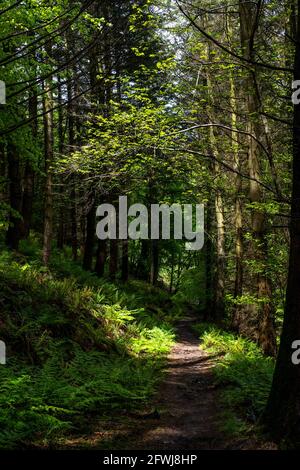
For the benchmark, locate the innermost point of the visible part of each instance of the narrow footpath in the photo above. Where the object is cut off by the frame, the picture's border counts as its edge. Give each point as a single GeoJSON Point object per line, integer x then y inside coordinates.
{"type": "Point", "coordinates": [183, 414]}
{"type": "Point", "coordinates": [186, 412]}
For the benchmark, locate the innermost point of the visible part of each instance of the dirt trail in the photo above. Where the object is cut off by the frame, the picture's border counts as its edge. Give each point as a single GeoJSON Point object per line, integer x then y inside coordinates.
{"type": "Point", "coordinates": [183, 414]}
{"type": "Point", "coordinates": [186, 401]}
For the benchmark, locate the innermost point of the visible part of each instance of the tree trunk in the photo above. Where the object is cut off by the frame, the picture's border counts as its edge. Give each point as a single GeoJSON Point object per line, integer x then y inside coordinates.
{"type": "Point", "coordinates": [48, 206]}
{"type": "Point", "coordinates": [13, 233]}
{"type": "Point", "coordinates": [142, 268]}
{"type": "Point", "coordinates": [172, 272]}
{"type": "Point", "coordinates": [28, 186]}
{"type": "Point", "coordinates": [154, 268]}
{"type": "Point", "coordinates": [219, 284]}
{"type": "Point", "coordinates": [3, 174]}
{"type": "Point", "coordinates": [113, 259]}
{"type": "Point", "coordinates": [238, 216]}
{"type": "Point", "coordinates": [90, 235]}
{"type": "Point", "coordinates": [208, 262]}
{"type": "Point", "coordinates": [72, 141]}
{"type": "Point", "coordinates": [125, 261]}
{"type": "Point", "coordinates": [263, 309]}
{"type": "Point", "coordinates": [282, 414]}
{"type": "Point", "coordinates": [101, 256]}
{"type": "Point", "coordinates": [218, 310]}
{"type": "Point", "coordinates": [61, 209]}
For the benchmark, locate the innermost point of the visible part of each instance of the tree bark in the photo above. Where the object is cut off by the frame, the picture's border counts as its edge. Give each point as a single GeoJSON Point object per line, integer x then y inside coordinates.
{"type": "Point", "coordinates": [28, 185]}
{"type": "Point", "coordinates": [101, 257]}
{"type": "Point", "coordinates": [73, 194]}
{"type": "Point", "coordinates": [263, 309]}
{"type": "Point", "coordinates": [48, 206]}
{"type": "Point", "coordinates": [61, 210]}
{"type": "Point", "coordinates": [13, 233]}
{"type": "Point", "coordinates": [282, 414]}
{"type": "Point", "coordinates": [142, 268]}
{"type": "Point", "coordinates": [154, 268]}
{"type": "Point", "coordinates": [219, 284]}
{"type": "Point", "coordinates": [218, 306]}
{"type": "Point", "coordinates": [90, 234]}
{"type": "Point", "coordinates": [125, 261]}
{"type": "Point", "coordinates": [113, 259]}
{"type": "Point", "coordinates": [208, 262]}
{"type": "Point", "coordinates": [238, 215]}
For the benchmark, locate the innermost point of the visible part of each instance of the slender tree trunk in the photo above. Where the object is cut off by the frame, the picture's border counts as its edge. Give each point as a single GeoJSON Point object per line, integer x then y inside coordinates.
{"type": "Point", "coordinates": [74, 234]}
{"type": "Point", "coordinates": [28, 186]}
{"type": "Point", "coordinates": [27, 200]}
{"type": "Point", "coordinates": [91, 203]}
{"type": "Point", "coordinates": [266, 336]}
{"type": "Point", "coordinates": [208, 262]}
{"type": "Point", "coordinates": [73, 195]}
{"type": "Point", "coordinates": [238, 216]}
{"type": "Point", "coordinates": [125, 261]}
{"type": "Point", "coordinates": [13, 233]}
{"type": "Point", "coordinates": [142, 268]}
{"type": "Point", "coordinates": [90, 234]}
{"type": "Point", "coordinates": [61, 210]}
{"type": "Point", "coordinates": [219, 285]}
{"type": "Point", "coordinates": [282, 414]}
{"type": "Point", "coordinates": [172, 272]}
{"type": "Point", "coordinates": [48, 206]}
{"type": "Point", "coordinates": [218, 310]}
{"type": "Point", "coordinates": [101, 256]}
{"type": "Point", "coordinates": [154, 268]}
{"type": "Point", "coordinates": [113, 259]}
{"type": "Point", "coordinates": [3, 174]}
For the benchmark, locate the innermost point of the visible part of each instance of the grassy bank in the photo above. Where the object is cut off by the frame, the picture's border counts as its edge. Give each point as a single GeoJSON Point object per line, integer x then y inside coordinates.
{"type": "Point", "coordinates": [244, 373]}
{"type": "Point", "coordinates": [77, 347]}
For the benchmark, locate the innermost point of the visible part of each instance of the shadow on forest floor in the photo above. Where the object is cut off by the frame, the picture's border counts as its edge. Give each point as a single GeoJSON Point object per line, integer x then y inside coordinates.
{"type": "Point", "coordinates": [183, 414]}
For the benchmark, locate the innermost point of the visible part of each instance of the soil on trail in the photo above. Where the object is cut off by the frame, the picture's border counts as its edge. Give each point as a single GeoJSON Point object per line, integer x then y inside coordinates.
{"type": "Point", "coordinates": [183, 414]}
{"type": "Point", "coordinates": [186, 402]}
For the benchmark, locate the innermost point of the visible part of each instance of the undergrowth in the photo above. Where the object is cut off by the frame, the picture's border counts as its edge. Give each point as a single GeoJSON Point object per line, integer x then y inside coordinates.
{"type": "Point", "coordinates": [244, 371]}
{"type": "Point", "coordinates": [77, 346]}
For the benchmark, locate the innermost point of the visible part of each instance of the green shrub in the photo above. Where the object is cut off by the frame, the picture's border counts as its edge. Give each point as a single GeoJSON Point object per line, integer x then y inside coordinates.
{"type": "Point", "coordinates": [77, 346]}
{"type": "Point", "coordinates": [245, 371]}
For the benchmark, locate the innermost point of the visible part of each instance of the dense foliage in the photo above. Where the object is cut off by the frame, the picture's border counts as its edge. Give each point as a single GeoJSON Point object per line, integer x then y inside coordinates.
{"type": "Point", "coordinates": [77, 346]}
{"type": "Point", "coordinates": [163, 102]}
{"type": "Point", "coordinates": [245, 374]}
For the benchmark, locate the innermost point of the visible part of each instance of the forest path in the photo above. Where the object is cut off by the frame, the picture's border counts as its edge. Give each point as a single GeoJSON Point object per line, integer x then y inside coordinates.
{"type": "Point", "coordinates": [187, 416]}
{"type": "Point", "coordinates": [183, 414]}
